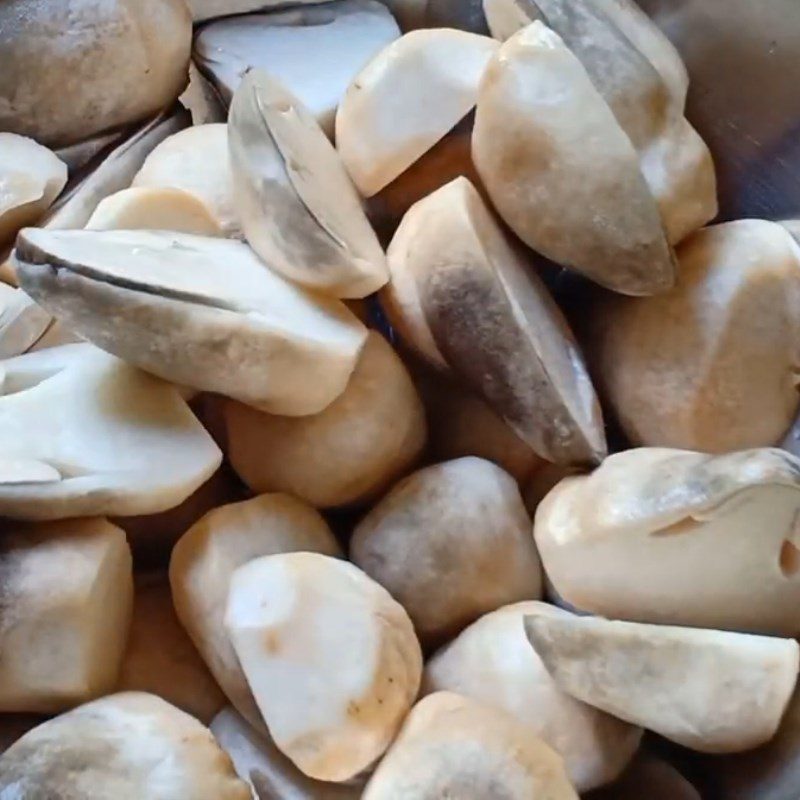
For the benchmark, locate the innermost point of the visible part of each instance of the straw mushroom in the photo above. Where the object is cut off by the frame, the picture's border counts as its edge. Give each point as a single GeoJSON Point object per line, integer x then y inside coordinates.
{"type": "Point", "coordinates": [713, 691]}
{"type": "Point", "coordinates": [492, 661]}
{"type": "Point", "coordinates": [451, 746]}
{"type": "Point", "coordinates": [65, 602]}
{"type": "Point", "coordinates": [450, 542]}
{"type": "Point", "coordinates": [289, 618]}
{"type": "Point", "coordinates": [127, 745]}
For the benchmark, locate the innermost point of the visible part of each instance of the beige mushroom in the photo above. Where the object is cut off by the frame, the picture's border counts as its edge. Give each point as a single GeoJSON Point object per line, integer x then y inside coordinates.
{"type": "Point", "coordinates": [31, 177]}
{"type": "Point", "coordinates": [713, 691]}
{"type": "Point", "coordinates": [66, 590]}
{"type": "Point", "coordinates": [712, 365]}
{"type": "Point", "coordinates": [354, 449]}
{"type": "Point", "coordinates": [409, 97]}
{"type": "Point", "coordinates": [161, 659]}
{"type": "Point", "coordinates": [206, 557]}
{"type": "Point", "coordinates": [450, 542]}
{"type": "Point", "coordinates": [464, 296]}
{"type": "Point", "coordinates": [196, 160]}
{"type": "Point", "coordinates": [451, 746]}
{"type": "Point", "coordinates": [69, 74]}
{"type": "Point", "coordinates": [492, 661]}
{"type": "Point", "coordinates": [195, 310]}
{"type": "Point", "coordinates": [331, 658]}
{"type": "Point", "coordinates": [270, 774]}
{"type": "Point", "coordinates": [22, 322]}
{"type": "Point", "coordinates": [83, 433]}
{"type": "Point", "coordinates": [125, 746]}
{"type": "Point", "coordinates": [634, 540]}
{"type": "Point", "coordinates": [561, 171]}
{"type": "Point", "coordinates": [650, 777]}
{"type": "Point", "coordinates": [299, 210]}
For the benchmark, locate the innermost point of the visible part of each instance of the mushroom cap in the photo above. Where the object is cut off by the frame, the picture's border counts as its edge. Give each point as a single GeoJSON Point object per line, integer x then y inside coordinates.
{"type": "Point", "coordinates": [451, 746]}
{"type": "Point", "coordinates": [127, 746]}
{"type": "Point", "coordinates": [289, 618]}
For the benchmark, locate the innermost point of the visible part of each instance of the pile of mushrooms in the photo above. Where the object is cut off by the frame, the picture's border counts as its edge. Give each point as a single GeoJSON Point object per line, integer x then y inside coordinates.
{"type": "Point", "coordinates": [307, 490]}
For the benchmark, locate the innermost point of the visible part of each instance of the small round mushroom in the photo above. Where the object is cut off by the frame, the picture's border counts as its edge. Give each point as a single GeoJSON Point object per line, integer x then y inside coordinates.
{"type": "Point", "coordinates": [712, 365]}
{"type": "Point", "coordinates": [354, 449]}
{"type": "Point", "coordinates": [492, 662]}
{"type": "Point", "coordinates": [66, 590]}
{"type": "Point", "coordinates": [451, 746]}
{"type": "Point", "coordinates": [206, 557]}
{"type": "Point", "coordinates": [450, 542]}
{"type": "Point", "coordinates": [331, 658]}
{"type": "Point", "coordinates": [127, 745]}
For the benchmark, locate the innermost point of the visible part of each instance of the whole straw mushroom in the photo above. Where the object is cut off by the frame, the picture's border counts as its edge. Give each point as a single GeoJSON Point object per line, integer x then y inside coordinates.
{"type": "Point", "coordinates": [289, 618]}
{"type": "Point", "coordinates": [450, 746]}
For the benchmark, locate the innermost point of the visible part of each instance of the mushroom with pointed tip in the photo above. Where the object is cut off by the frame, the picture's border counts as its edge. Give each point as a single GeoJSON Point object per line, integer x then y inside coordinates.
{"type": "Point", "coordinates": [298, 208]}
{"type": "Point", "coordinates": [709, 690]}
{"type": "Point", "coordinates": [66, 590]}
{"type": "Point", "coordinates": [465, 297]}
{"type": "Point", "coordinates": [451, 746]}
{"type": "Point", "coordinates": [83, 433]}
{"type": "Point", "coordinates": [290, 618]}
{"type": "Point", "coordinates": [125, 745]}
{"type": "Point", "coordinates": [199, 311]}
{"type": "Point", "coordinates": [206, 557]}
{"type": "Point", "coordinates": [371, 435]}
{"type": "Point", "coordinates": [450, 542]}
{"type": "Point", "coordinates": [712, 365]}
{"type": "Point", "coordinates": [492, 662]}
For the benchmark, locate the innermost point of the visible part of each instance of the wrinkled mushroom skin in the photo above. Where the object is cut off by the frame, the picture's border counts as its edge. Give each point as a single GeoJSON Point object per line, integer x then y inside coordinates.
{"type": "Point", "coordinates": [712, 364]}
{"type": "Point", "coordinates": [635, 539]}
{"type": "Point", "coordinates": [76, 69]}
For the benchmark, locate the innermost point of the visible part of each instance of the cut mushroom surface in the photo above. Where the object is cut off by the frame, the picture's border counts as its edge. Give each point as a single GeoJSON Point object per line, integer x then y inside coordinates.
{"type": "Point", "coordinates": [66, 589]}
{"type": "Point", "coordinates": [711, 365]}
{"type": "Point", "coordinates": [709, 690]}
{"type": "Point", "coordinates": [205, 559]}
{"type": "Point", "coordinates": [299, 621]}
{"type": "Point", "coordinates": [128, 745]}
{"type": "Point", "coordinates": [634, 540]}
{"type": "Point", "coordinates": [463, 295]}
{"type": "Point", "coordinates": [450, 542]}
{"type": "Point", "coordinates": [81, 432]}
{"type": "Point", "coordinates": [561, 171]}
{"type": "Point", "coordinates": [299, 210]}
{"type": "Point", "coordinates": [492, 662]}
{"type": "Point", "coordinates": [409, 97]}
{"type": "Point", "coordinates": [198, 311]}
{"type": "Point", "coordinates": [450, 746]}
{"type": "Point", "coordinates": [343, 36]}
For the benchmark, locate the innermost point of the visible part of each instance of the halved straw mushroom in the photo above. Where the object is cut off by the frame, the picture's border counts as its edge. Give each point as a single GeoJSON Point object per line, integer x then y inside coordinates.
{"type": "Point", "coordinates": [83, 433]}
{"type": "Point", "coordinates": [561, 171]}
{"type": "Point", "coordinates": [206, 557]}
{"type": "Point", "coordinates": [450, 542]}
{"type": "Point", "coordinates": [161, 659]}
{"type": "Point", "coordinates": [298, 208]}
{"type": "Point", "coordinates": [464, 296]}
{"type": "Point", "coordinates": [713, 691]}
{"type": "Point", "coordinates": [127, 745]}
{"type": "Point", "coordinates": [194, 310]}
{"type": "Point", "coordinates": [371, 435]}
{"type": "Point", "coordinates": [269, 772]}
{"type": "Point", "coordinates": [343, 36]}
{"type": "Point", "coordinates": [634, 539]}
{"type": "Point", "coordinates": [712, 365]}
{"type": "Point", "coordinates": [492, 662]}
{"type": "Point", "coordinates": [31, 177]}
{"type": "Point", "coordinates": [331, 658]}
{"type": "Point", "coordinates": [408, 98]}
{"type": "Point", "coordinates": [450, 746]}
{"type": "Point", "coordinates": [67, 591]}
{"type": "Point", "coordinates": [22, 322]}
{"type": "Point", "coordinates": [66, 77]}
